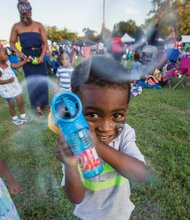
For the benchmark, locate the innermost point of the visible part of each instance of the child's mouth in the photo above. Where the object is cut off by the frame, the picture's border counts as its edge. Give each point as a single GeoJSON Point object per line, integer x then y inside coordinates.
{"type": "Point", "coordinates": [104, 138]}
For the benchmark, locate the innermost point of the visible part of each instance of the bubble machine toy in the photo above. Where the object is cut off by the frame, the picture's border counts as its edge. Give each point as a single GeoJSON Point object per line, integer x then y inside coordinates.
{"type": "Point", "coordinates": [67, 114]}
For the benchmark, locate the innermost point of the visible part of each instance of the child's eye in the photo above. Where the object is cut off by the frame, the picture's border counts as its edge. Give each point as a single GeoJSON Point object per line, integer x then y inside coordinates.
{"type": "Point", "coordinates": [118, 116]}
{"type": "Point", "coordinates": [91, 116]}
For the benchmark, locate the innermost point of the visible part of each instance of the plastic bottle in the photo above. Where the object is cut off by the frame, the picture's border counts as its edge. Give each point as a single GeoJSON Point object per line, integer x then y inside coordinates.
{"type": "Point", "coordinates": [67, 114]}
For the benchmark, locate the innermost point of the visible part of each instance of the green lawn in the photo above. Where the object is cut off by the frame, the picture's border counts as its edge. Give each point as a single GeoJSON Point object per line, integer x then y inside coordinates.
{"type": "Point", "coordinates": [161, 119]}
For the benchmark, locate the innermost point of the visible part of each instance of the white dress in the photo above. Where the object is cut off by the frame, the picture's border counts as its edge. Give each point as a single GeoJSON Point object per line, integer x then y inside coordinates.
{"type": "Point", "coordinates": [9, 90]}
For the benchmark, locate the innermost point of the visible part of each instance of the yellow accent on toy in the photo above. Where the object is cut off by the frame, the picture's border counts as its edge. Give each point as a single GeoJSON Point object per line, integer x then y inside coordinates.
{"type": "Point", "coordinates": [51, 124]}
{"type": "Point", "coordinates": [35, 61]}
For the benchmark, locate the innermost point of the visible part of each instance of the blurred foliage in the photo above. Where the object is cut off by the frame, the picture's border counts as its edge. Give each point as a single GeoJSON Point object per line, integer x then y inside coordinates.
{"type": "Point", "coordinates": [124, 27]}
{"type": "Point", "coordinates": [163, 12]}
{"type": "Point", "coordinates": [170, 12]}
{"type": "Point", "coordinates": [54, 34]}
{"type": "Point", "coordinates": [91, 34]}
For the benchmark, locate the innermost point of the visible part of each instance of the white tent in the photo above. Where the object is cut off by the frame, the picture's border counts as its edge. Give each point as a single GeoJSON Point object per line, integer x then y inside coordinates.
{"type": "Point", "coordinates": [127, 39]}
{"type": "Point", "coordinates": [185, 38]}
{"type": "Point", "coordinates": [160, 39]}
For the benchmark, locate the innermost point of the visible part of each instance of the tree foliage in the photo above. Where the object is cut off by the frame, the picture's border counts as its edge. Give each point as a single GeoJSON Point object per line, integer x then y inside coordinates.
{"type": "Point", "coordinates": [171, 12]}
{"type": "Point", "coordinates": [91, 34]}
{"type": "Point", "coordinates": [124, 27]}
{"type": "Point", "coordinates": [57, 35]}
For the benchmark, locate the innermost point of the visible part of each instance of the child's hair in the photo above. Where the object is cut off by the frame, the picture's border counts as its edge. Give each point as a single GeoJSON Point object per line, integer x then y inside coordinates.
{"type": "Point", "coordinates": [64, 52]}
{"type": "Point", "coordinates": [136, 56]}
{"type": "Point", "coordinates": [100, 70]}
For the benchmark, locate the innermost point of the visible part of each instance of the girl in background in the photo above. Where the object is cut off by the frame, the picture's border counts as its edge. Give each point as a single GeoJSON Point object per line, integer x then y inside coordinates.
{"type": "Point", "coordinates": [10, 88]}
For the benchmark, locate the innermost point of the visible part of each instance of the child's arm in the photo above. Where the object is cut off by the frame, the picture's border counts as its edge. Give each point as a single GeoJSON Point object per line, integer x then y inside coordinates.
{"type": "Point", "coordinates": [57, 76]}
{"type": "Point", "coordinates": [21, 63]}
{"type": "Point", "coordinates": [13, 185]}
{"type": "Point", "coordinates": [73, 186]}
{"type": "Point", "coordinates": [10, 80]}
{"type": "Point", "coordinates": [126, 165]}
{"type": "Point", "coordinates": [57, 80]}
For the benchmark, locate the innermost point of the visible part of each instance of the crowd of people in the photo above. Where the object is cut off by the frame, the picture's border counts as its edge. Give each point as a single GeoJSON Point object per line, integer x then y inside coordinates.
{"type": "Point", "coordinates": [105, 94]}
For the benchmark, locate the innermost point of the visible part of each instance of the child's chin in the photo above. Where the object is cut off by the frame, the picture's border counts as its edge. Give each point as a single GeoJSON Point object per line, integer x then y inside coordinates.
{"type": "Point", "coordinates": [106, 141]}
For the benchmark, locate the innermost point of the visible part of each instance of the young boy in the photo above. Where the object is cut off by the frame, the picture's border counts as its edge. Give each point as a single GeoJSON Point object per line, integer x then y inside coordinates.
{"type": "Point", "coordinates": [64, 72]}
{"type": "Point", "coordinates": [101, 83]}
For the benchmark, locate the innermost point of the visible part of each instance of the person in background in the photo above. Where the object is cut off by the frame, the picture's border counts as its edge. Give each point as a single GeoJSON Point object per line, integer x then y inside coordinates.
{"type": "Point", "coordinates": [153, 35]}
{"type": "Point", "coordinates": [54, 62]}
{"type": "Point", "coordinates": [171, 38]}
{"type": "Point", "coordinates": [136, 67]}
{"type": "Point", "coordinates": [105, 94]}
{"type": "Point", "coordinates": [33, 40]}
{"type": "Point", "coordinates": [10, 88]}
{"type": "Point", "coordinates": [13, 58]}
{"type": "Point", "coordinates": [64, 72]}
{"type": "Point", "coordinates": [7, 207]}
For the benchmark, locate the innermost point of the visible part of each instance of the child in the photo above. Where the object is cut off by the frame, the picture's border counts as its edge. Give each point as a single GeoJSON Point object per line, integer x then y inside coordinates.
{"type": "Point", "coordinates": [10, 88]}
{"type": "Point", "coordinates": [7, 207]}
{"type": "Point", "coordinates": [136, 67]}
{"type": "Point", "coordinates": [99, 82]}
{"type": "Point", "coordinates": [54, 62]}
{"type": "Point", "coordinates": [64, 72]}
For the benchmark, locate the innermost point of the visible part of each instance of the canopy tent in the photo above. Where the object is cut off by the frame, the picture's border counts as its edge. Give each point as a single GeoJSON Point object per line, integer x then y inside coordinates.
{"type": "Point", "coordinates": [185, 38]}
{"type": "Point", "coordinates": [65, 42]}
{"type": "Point", "coordinates": [160, 39]}
{"type": "Point", "coordinates": [127, 39]}
{"type": "Point", "coordinates": [85, 42]}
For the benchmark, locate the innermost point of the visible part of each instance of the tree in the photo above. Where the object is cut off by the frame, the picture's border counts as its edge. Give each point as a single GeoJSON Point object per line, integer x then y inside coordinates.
{"type": "Point", "coordinates": [57, 35]}
{"type": "Point", "coordinates": [89, 34]}
{"type": "Point", "coordinates": [171, 12]}
{"type": "Point", "coordinates": [183, 12]}
{"type": "Point", "coordinates": [124, 27]}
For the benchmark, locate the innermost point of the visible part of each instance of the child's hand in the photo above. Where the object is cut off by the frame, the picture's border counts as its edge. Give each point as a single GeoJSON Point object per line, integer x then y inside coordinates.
{"type": "Point", "coordinates": [40, 59]}
{"type": "Point", "coordinates": [22, 56]}
{"type": "Point", "coordinates": [29, 59]}
{"type": "Point", "coordinates": [64, 154]}
{"type": "Point", "coordinates": [12, 79]}
{"type": "Point", "coordinates": [14, 187]}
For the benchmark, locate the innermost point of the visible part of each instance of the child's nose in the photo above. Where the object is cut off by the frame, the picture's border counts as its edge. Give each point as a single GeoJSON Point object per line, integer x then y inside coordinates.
{"type": "Point", "coordinates": [106, 125]}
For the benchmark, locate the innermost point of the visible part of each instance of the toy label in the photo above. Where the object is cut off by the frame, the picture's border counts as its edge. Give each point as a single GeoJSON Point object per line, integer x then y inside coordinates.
{"type": "Point", "coordinates": [88, 159]}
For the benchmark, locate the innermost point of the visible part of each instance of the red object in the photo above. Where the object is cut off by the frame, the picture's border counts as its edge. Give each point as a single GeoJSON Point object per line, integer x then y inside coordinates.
{"type": "Point", "coordinates": [178, 45]}
{"type": "Point", "coordinates": [116, 45]}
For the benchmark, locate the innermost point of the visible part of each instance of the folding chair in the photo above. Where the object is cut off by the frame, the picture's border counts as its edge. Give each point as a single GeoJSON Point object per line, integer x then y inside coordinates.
{"type": "Point", "coordinates": [182, 71]}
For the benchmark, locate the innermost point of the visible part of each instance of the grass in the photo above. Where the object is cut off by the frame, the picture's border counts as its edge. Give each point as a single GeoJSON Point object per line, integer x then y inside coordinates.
{"type": "Point", "coordinates": [161, 119]}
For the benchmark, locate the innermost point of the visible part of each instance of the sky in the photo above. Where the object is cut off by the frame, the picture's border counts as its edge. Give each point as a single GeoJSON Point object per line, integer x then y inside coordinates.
{"type": "Point", "coordinates": [75, 14]}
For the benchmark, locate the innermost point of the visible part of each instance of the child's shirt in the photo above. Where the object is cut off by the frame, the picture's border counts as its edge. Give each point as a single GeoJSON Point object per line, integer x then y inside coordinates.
{"type": "Point", "coordinates": [9, 90]}
{"type": "Point", "coordinates": [7, 207]}
{"type": "Point", "coordinates": [107, 196]}
{"type": "Point", "coordinates": [136, 70]}
{"type": "Point", "coordinates": [64, 74]}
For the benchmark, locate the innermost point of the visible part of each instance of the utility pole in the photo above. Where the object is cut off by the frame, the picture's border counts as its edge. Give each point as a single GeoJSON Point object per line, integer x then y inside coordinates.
{"type": "Point", "coordinates": [103, 24]}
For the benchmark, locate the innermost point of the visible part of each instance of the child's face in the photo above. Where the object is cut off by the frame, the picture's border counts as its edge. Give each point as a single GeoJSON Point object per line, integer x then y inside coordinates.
{"type": "Point", "coordinates": [3, 55]}
{"type": "Point", "coordinates": [105, 110]}
{"type": "Point", "coordinates": [65, 60]}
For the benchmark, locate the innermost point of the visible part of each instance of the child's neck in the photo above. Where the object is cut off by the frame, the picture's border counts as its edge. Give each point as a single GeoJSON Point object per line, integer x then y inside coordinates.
{"type": "Point", "coordinates": [67, 66]}
{"type": "Point", "coordinates": [3, 64]}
